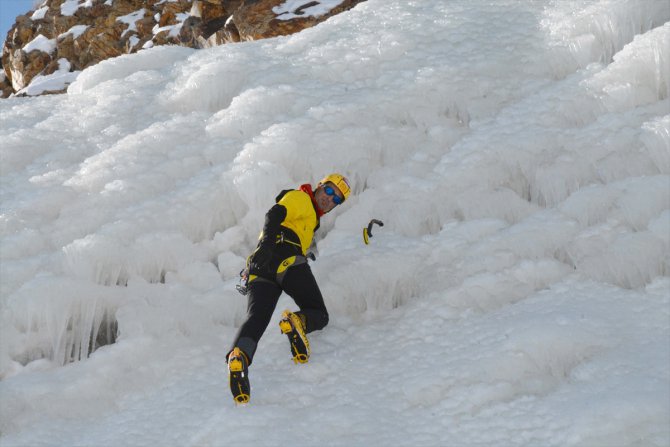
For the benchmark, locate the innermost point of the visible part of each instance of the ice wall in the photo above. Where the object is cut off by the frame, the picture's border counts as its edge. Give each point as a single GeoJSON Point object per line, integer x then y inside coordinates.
{"type": "Point", "coordinates": [505, 149]}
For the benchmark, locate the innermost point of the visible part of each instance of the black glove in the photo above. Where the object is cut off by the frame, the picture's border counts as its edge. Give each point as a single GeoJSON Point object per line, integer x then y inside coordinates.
{"type": "Point", "coordinates": [262, 258]}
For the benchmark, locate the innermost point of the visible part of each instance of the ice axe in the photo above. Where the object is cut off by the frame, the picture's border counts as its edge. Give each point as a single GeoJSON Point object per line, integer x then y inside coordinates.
{"type": "Point", "coordinates": [367, 232]}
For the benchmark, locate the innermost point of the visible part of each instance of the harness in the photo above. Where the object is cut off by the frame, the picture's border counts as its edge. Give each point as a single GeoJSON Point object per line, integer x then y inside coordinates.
{"type": "Point", "coordinates": [292, 261]}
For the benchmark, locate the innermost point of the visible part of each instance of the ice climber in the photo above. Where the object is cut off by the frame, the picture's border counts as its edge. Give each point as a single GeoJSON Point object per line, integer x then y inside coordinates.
{"type": "Point", "coordinates": [279, 264]}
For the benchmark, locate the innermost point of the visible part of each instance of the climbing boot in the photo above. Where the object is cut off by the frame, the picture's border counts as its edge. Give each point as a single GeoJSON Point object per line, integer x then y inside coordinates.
{"type": "Point", "coordinates": [294, 328]}
{"type": "Point", "coordinates": [238, 376]}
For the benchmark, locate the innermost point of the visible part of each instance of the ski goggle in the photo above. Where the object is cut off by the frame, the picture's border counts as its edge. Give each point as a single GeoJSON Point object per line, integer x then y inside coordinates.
{"type": "Point", "coordinates": [331, 192]}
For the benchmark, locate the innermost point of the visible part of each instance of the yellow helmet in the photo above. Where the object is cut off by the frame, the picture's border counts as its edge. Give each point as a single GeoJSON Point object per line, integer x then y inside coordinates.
{"type": "Point", "coordinates": [339, 181]}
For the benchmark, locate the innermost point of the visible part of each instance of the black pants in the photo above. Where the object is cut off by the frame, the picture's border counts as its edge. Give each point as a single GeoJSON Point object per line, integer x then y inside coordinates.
{"type": "Point", "coordinates": [299, 284]}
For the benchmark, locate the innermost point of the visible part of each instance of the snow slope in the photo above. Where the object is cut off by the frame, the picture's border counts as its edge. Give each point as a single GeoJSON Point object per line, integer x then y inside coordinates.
{"type": "Point", "coordinates": [518, 154]}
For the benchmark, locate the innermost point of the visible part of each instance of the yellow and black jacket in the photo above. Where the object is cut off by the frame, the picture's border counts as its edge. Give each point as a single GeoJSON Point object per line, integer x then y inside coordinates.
{"type": "Point", "coordinates": [287, 234]}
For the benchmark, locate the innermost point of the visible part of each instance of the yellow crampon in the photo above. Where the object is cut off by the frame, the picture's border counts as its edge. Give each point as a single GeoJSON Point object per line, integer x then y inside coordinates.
{"type": "Point", "coordinates": [238, 377]}
{"type": "Point", "coordinates": [293, 327]}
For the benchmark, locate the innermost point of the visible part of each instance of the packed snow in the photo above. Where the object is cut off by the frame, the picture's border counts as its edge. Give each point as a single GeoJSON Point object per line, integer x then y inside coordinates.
{"type": "Point", "coordinates": [70, 7]}
{"type": "Point", "coordinates": [40, 43]}
{"type": "Point", "coordinates": [76, 31]}
{"type": "Point", "coordinates": [291, 9]}
{"type": "Point", "coordinates": [40, 13]}
{"type": "Point", "coordinates": [53, 82]}
{"type": "Point", "coordinates": [131, 20]}
{"type": "Point", "coordinates": [518, 293]}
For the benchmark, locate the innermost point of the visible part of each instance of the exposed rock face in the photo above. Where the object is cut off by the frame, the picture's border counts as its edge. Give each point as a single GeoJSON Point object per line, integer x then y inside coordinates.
{"type": "Point", "coordinates": [267, 18]}
{"type": "Point", "coordinates": [66, 36]}
{"type": "Point", "coordinates": [5, 85]}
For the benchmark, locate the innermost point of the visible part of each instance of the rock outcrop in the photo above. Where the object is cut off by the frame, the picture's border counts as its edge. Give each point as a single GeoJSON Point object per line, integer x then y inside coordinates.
{"type": "Point", "coordinates": [270, 18]}
{"type": "Point", "coordinates": [46, 48]}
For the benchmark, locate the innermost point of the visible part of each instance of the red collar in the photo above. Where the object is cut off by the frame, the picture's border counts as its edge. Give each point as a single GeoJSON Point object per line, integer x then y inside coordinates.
{"type": "Point", "coordinates": [308, 189]}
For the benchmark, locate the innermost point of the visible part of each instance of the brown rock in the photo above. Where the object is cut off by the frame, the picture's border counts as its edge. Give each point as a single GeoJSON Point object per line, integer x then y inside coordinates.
{"type": "Point", "coordinates": [145, 25]}
{"type": "Point", "coordinates": [210, 22]}
{"type": "Point", "coordinates": [103, 46]}
{"type": "Point", "coordinates": [213, 10]}
{"type": "Point", "coordinates": [65, 48]}
{"type": "Point", "coordinates": [5, 85]}
{"type": "Point", "coordinates": [26, 67]}
{"type": "Point", "coordinates": [255, 19]}
{"type": "Point", "coordinates": [230, 33]}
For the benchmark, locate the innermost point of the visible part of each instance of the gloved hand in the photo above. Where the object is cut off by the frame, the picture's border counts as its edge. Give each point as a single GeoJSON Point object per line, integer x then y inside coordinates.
{"type": "Point", "coordinates": [262, 257]}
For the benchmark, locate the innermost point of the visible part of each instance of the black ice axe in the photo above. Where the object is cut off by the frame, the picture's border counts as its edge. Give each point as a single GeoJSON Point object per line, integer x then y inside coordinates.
{"type": "Point", "coordinates": [367, 232]}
